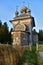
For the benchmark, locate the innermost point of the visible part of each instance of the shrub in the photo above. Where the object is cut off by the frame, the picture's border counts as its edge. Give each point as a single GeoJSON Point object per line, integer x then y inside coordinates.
{"type": "Point", "coordinates": [28, 58]}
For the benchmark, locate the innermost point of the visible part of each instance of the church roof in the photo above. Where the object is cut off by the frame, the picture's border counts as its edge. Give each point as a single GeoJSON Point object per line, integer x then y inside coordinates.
{"type": "Point", "coordinates": [34, 32]}
{"type": "Point", "coordinates": [25, 14]}
{"type": "Point", "coordinates": [22, 17]}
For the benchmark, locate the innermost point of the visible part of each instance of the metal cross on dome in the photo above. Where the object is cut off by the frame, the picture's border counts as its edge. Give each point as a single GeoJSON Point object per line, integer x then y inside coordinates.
{"type": "Point", "coordinates": [23, 3]}
{"type": "Point", "coordinates": [28, 4]}
{"type": "Point", "coordinates": [16, 7]}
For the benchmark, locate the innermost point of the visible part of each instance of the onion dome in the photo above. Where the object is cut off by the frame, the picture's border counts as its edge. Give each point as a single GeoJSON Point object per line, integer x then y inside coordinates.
{"type": "Point", "coordinates": [28, 10]}
{"type": "Point", "coordinates": [23, 9]}
{"type": "Point", "coordinates": [16, 13]}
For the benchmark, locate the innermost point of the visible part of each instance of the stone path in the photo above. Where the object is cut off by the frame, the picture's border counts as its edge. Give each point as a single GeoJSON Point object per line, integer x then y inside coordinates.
{"type": "Point", "coordinates": [41, 54]}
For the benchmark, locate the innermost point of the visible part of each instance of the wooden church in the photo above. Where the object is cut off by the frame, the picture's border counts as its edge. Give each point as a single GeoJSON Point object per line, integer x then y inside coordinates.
{"type": "Point", "coordinates": [23, 23]}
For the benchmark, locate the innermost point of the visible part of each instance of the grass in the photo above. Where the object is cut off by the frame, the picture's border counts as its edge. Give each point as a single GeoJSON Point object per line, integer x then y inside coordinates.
{"type": "Point", "coordinates": [8, 55]}
{"type": "Point", "coordinates": [19, 56]}
{"type": "Point", "coordinates": [40, 47]}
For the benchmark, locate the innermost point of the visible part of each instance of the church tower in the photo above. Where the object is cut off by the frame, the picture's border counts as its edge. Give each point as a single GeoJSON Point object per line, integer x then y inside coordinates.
{"type": "Point", "coordinates": [23, 24]}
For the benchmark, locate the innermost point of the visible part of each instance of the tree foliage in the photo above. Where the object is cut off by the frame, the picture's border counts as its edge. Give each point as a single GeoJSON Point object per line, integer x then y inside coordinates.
{"type": "Point", "coordinates": [5, 35]}
{"type": "Point", "coordinates": [40, 35]}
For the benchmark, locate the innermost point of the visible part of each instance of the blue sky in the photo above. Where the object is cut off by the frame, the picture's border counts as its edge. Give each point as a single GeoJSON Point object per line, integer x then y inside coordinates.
{"type": "Point", "coordinates": [8, 8]}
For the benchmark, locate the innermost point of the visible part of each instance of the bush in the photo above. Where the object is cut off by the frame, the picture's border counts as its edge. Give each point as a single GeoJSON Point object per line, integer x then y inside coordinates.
{"type": "Point", "coordinates": [40, 42]}
{"type": "Point", "coordinates": [28, 58]}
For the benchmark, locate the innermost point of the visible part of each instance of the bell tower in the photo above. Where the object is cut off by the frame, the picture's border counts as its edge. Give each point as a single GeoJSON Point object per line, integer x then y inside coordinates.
{"type": "Point", "coordinates": [22, 27]}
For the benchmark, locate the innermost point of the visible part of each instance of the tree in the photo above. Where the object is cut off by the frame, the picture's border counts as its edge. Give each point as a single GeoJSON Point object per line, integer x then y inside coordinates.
{"type": "Point", "coordinates": [6, 31]}
{"type": "Point", "coordinates": [40, 35]}
{"type": "Point", "coordinates": [10, 38]}
{"type": "Point", "coordinates": [0, 23]}
{"type": "Point", "coordinates": [5, 26]}
{"type": "Point", "coordinates": [5, 35]}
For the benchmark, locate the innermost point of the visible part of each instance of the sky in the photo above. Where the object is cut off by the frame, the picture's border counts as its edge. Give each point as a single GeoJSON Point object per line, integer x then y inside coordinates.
{"type": "Point", "coordinates": [8, 8]}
